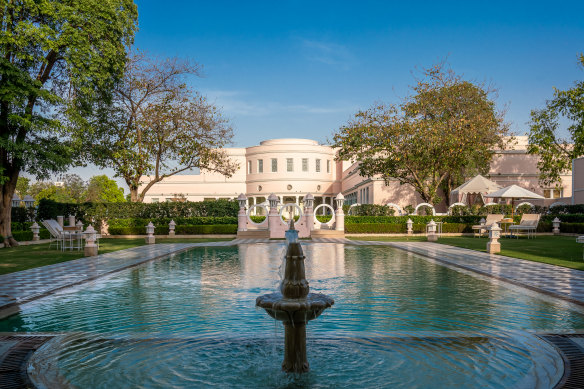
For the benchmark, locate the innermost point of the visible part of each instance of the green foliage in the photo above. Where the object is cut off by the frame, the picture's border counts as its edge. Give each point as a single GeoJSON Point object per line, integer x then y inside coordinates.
{"type": "Point", "coordinates": [179, 229]}
{"type": "Point", "coordinates": [56, 58]}
{"type": "Point", "coordinates": [383, 228]}
{"type": "Point", "coordinates": [96, 212]}
{"type": "Point", "coordinates": [567, 209]}
{"type": "Point", "coordinates": [22, 214]}
{"type": "Point", "coordinates": [199, 220]}
{"type": "Point", "coordinates": [460, 210]}
{"type": "Point", "coordinates": [102, 189]}
{"type": "Point", "coordinates": [555, 152]}
{"type": "Point", "coordinates": [372, 210]}
{"type": "Point", "coordinates": [22, 186]}
{"type": "Point", "coordinates": [157, 126]}
{"type": "Point", "coordinates": [446, 128]}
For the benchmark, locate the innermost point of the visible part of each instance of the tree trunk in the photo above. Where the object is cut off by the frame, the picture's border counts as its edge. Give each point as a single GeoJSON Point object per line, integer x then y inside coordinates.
{"type": "Point", "coordinates": [134, 195]}
{"type": "Point", "coordinates": [6, 215]}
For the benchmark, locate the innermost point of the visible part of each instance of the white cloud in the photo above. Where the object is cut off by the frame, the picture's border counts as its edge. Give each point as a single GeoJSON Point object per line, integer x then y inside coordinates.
{"type": "Point", "coordinates": [241, 103]}
{"type": "Point", "coordinates": [328, 53]}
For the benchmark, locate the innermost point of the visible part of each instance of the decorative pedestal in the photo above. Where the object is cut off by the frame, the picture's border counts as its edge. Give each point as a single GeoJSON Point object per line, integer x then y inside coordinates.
{"type": "Point", "coordinates": [90, 251]}
{"type": "Point", "coordinates": [150, 240]}
{"type": "Point", "coordinates": [493, 247]}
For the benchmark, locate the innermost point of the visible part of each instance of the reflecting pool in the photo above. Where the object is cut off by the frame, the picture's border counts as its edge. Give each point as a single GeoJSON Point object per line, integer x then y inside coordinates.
{"type": "Point", "coordinates": [398, 321]}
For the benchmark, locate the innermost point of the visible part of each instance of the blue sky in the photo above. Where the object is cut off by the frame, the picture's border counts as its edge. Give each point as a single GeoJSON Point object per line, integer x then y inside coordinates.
{"type": "Point", "coordinates": [303, 68]}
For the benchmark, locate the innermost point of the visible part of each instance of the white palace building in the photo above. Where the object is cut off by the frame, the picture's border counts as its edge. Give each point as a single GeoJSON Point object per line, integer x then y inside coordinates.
{"type": "Point", "coordinates": [291, 168]}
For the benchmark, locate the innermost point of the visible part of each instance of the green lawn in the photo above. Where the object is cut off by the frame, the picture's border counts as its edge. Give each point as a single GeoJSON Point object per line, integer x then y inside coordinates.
{"type": "Point", "coordinates": [556, 250]}
{"type": "Point", "coordinates": [26, 257]}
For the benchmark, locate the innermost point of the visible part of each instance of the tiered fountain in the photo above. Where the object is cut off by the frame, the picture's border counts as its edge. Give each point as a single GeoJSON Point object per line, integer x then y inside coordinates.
{"type": "Point", "coordinates": [294, 306]}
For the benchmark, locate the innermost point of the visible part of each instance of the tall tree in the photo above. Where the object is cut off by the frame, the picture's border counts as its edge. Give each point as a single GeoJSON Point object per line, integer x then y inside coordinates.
{"type": "Point", "coordinates": [554, 150]}
{"type": "Point", "coordinates": [75, 187]}
{"type": "Point", "coordinates": [447, 126]}
{"type": "Point", "coordinates": [104, 190]}
{"type": "Point", "coordinates": [158, 126]}
{"type": "Point", "coordinates": [22, 186]}
{"type": "Point", "coordinates": [55, 58]}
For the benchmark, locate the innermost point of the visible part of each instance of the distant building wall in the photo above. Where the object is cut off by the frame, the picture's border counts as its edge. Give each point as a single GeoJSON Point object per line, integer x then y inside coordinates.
{"type": "Point", "coordinates": [291, 168]}
{"type": "Point", "coordinates": [578, 180]}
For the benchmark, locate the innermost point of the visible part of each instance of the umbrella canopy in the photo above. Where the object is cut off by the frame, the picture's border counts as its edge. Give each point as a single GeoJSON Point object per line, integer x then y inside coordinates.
{"type": "Point", "coordinates": [474, 188]}
{"type": "Point", "coordinates": [477, 184]}
{"type": "Point", "coordinates": [514, 192]}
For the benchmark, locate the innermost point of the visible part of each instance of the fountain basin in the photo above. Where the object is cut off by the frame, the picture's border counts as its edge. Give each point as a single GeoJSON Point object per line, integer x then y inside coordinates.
{"type": "Point", "coordinates": [294, 311]}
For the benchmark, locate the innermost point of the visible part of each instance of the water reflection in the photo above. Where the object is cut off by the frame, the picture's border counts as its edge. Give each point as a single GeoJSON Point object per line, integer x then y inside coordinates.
{"type": "Point", "coordinates": [212, 291]}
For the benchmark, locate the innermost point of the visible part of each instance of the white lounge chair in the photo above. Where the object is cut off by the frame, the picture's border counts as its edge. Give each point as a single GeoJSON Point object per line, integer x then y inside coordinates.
{"type": "Point", "coordinates": [67, 239]}
{"type": "Point", "coordinates": [480, 229]}
{"type": "Point", "coordinates": [528, 223]}
{"type": "Point", "coordinates": [56, 233]}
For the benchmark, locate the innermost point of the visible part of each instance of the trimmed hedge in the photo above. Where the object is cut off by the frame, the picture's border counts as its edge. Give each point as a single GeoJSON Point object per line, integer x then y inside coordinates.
{"type": "Point", "coordinates": [95, 212]}
{"type": "Point", "coordinates": [385, 228]}
{"type": "Point", "coordinates": [179, 230]}
{"type": "Point", "coordinates": [160, 222]}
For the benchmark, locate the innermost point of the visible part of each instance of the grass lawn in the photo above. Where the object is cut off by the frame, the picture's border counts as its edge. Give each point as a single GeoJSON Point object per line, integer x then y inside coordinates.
{"type": "Point", "coordinates": [27, 257]}
{"type": "Point", "coordinates": [556, 250]}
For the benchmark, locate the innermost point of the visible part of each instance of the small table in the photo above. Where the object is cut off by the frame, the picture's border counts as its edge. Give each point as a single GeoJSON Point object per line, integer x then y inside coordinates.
{"type": "Point", "coordinates": [71, 238]}
{"type": "Point", "coordinates": [505, 223]}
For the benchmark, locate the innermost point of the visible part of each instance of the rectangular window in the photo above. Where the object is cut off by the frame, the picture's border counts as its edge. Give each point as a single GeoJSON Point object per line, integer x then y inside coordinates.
{"type": "Point", "coordinates": [289, 164]}
{"type": "Point", "coordinates": [553, 193]}
{"type": "Point", "coordinates": [155, 199]}
{"type": "Point", "coordinates": [248, 167]}
{"type": "Point", "coordinates": [304, 164]}
{"type": "Point", "coordinates": [274, 165]}
{"type": "Point", "coordinates": [318, 165]}
{"type": "Point", "coordinates": [169, 199]}
{"type": "Point", "coordinates": [328, 165]}
{"type": "Point", "coordinates": [260, 165]}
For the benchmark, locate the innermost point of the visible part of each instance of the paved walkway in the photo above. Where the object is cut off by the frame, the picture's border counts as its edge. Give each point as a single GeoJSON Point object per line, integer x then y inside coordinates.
{"type": "Point", "coordinates": [20, 287]}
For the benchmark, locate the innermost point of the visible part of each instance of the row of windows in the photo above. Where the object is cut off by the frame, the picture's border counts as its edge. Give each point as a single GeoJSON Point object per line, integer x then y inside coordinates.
{"type": "Point", "coordinates": [289, 165]}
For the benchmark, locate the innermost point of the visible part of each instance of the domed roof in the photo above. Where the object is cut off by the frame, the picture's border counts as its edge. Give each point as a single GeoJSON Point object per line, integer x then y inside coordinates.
{"type": "Point", "coordinates": [289, 141]}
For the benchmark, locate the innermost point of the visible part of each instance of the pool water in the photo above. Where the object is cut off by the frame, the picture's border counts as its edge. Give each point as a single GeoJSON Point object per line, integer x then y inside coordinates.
{"type": "Point", "coordinates": [399, 320]}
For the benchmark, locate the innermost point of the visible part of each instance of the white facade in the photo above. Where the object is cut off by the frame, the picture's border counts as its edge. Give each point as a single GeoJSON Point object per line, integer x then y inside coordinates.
{"type": "Point", "coordinates": [291, 168]}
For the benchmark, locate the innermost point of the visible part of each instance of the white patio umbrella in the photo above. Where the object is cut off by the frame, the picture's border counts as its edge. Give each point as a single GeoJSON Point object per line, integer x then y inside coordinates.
{"type": "Point", "coordinates": [514, 192]}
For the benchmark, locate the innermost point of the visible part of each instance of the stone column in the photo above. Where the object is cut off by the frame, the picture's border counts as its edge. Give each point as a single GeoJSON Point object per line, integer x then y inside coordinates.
{"type": "Point", "coordinates": [432, 236]}
{"type": "Point", "coordinates": [308, 211]}
{"type": "Point", "coordinates": [241, 215]}
{"type": "Point", "coordinates": [60, 221]}
{"type": "Point", "coordinates": [493, 246]}
{"type": "Point", "coordinates": [150, 239]}
{"type": "Point", "coordinates": [90, 249]}
{"type": "Point", "coordinates": [274, 224]}
{"type": "Point", "coordinates": [556, 224]}
{"type": "Point", "coordinates": [410, 226]}
{"type": "Point", "coordinates": [171, 227]}
{"type": "Point", "coordinates": [35, 231]}
{"type": "Point", "coordinates": [339, 214]}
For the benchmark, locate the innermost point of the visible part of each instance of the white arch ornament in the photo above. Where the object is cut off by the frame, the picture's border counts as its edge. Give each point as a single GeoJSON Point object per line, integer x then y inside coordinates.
{"type": "Point", "coordinates": [285, 206]}
{"type": "Point", "coordinates": [249, 213]}
{"type": "Point", "coordinates": [351, 207]}
{"type": "Point", "coordinates": [524, 203]}
{"type": "Point", "coordinates": [396, 207]}
{"type": "Point", "coordinates": [330, 223]}
{"type": "Point", "coordinates": [557, 204]}
{"type": "Point", "coordinates": [427, 205]}
{"type": "Point", "coordinates": [455, 205]}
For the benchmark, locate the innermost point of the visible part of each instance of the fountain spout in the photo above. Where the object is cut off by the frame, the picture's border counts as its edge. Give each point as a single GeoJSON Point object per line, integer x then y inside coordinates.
{"type": "Point", "coordinates": [294, 305]}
